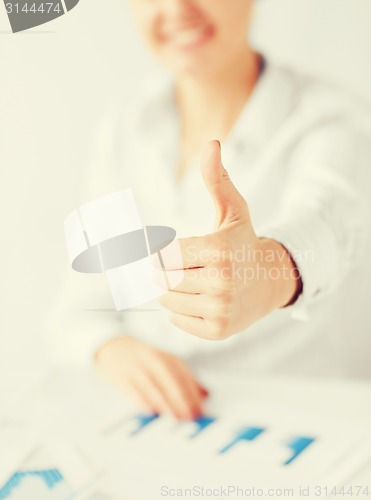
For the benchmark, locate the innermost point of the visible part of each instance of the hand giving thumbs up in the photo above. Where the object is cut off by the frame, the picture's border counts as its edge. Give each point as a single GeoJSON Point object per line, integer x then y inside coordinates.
{"type": "Point", "coordinates": [231, 278]}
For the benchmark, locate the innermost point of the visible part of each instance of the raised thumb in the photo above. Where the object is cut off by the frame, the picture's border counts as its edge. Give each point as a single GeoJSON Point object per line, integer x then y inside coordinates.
{"type": "Point", "coordinates": [230, 205]}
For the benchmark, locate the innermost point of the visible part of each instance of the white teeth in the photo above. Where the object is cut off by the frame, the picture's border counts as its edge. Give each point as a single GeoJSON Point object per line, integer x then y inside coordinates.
{"type": "Point", "coordinates": [188, 37]}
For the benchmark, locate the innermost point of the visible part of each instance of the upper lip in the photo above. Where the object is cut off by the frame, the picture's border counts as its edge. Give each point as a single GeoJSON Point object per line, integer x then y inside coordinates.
{"type": "Point", "coordinates": [168, 35]}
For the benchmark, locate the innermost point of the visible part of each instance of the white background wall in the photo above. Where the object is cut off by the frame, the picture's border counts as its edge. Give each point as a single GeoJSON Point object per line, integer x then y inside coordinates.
{"type": "Point", "coordinates": [56, 80]}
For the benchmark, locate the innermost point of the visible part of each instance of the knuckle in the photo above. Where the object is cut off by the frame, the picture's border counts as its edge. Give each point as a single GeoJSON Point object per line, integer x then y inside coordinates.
{"type": "Point", "coordinates": [173, 319]}
{"type": "Point", "coordinates": [227, 284]}
{"type": "Point", "coordinates": [160, 368]}
{"type": "Point", "coordinates": [226, 289]}
{"type": "Point", "coordinates": [147, 356]}
{"type": "Point", "coordinates": [223, 311]}
{"type": "Point", "coordinates": [222, 287]}
{"type": "Point", "coordinates": [219, 329]}
{"type": "Point", "coordinates": [165, 300]}
{"type": "Point", "coordinates": [161, 299]}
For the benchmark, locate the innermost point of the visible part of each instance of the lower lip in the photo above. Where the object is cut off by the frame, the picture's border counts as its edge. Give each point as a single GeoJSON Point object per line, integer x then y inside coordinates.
{"type": "Point", "coordinates": [201, 40]}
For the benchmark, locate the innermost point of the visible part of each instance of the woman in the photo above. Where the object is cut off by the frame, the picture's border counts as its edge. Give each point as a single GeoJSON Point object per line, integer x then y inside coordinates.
{"type": "Point", "coordinates": [297, 153]}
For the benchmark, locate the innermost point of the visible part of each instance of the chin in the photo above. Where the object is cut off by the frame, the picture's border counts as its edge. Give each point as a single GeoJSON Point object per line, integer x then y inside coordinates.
{"type": "Point", "coordinates": [191, 66]}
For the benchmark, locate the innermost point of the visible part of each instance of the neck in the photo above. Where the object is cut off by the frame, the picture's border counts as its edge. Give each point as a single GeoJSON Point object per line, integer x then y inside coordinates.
{"type": "Point", "coordinates": [209, 105]}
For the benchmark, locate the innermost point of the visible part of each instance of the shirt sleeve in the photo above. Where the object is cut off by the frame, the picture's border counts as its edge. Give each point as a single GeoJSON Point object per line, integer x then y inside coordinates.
{"type": "Point", "coordinates": [82, 316]}
{"type": "Point", "coordinates": [324, 215]}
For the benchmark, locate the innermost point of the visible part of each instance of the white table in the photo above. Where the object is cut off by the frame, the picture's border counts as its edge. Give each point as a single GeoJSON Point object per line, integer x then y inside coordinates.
{"type": "Point", "coordinates": [73, 395]}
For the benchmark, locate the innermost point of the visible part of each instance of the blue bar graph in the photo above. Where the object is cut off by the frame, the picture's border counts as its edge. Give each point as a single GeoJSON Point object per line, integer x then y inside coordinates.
{"type": "Point", "coordinates": [51, 478]}
{"type": "Point", "coordinates": [298, 445]}
{"type": "Point", "coordinates": [143, 421]}
{"type": "Point", "coordinates": [245, 434]}
{"type": "Point", "coordinates": [201, 424]}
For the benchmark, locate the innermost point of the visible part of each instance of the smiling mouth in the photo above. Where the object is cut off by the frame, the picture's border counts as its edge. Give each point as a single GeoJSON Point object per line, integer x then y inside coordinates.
{"type": "Point", "coordinates": [189, 38]}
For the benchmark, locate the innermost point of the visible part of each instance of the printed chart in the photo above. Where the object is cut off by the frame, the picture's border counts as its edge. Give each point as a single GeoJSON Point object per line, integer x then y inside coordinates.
{"type": "Point", "coordinates": [105, 450]}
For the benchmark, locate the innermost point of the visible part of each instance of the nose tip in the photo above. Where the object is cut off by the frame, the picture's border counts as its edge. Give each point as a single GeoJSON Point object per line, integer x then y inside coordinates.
{"type": "Point", "coordinates": [184, 10]}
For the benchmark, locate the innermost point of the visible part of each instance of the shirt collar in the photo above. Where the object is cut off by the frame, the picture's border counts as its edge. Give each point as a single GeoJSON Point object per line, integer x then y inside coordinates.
{"type": "Point", "coordinates": [268, 105]}
{"type": "Point", "coordinates": [270, 102]}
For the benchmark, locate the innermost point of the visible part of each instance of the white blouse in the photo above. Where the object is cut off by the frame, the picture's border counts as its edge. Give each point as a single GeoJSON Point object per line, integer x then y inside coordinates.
{"type": "Point", "coordinates": [300, 154]}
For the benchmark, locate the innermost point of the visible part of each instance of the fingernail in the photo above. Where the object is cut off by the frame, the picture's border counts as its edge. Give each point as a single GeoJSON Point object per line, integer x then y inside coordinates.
{"type": "Point", "coordinates": [204, 391]}
{"type": "Point", "coordinates": [196, 413]}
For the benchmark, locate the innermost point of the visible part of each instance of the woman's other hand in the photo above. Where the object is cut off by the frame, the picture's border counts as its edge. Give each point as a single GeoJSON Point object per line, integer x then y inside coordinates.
{"type": "Point", "coordinates": [158, 381]}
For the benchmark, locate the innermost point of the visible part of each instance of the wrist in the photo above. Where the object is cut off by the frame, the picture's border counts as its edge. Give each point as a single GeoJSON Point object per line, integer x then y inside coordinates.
{"type": "Point", "coordinates": [281, 275]}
